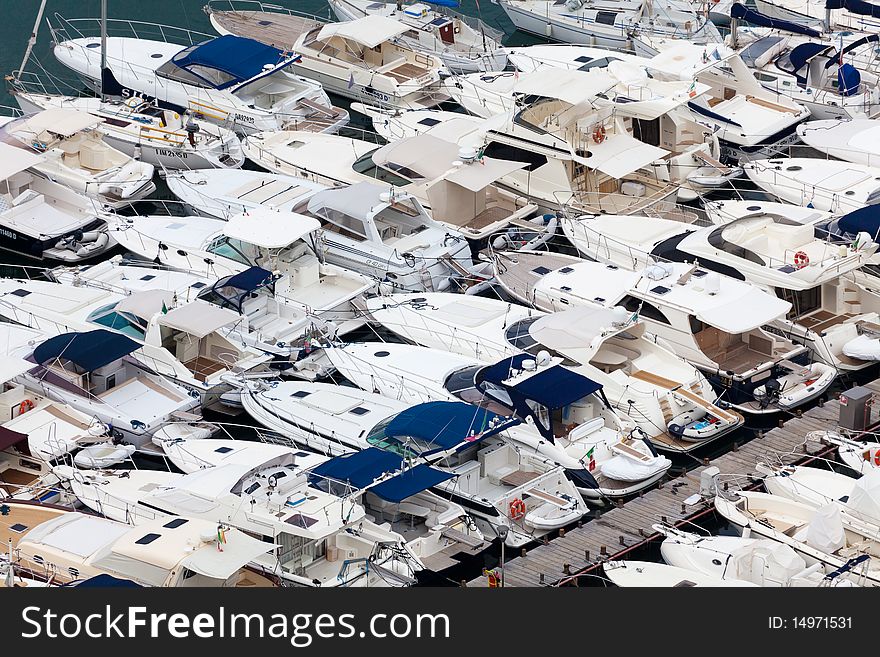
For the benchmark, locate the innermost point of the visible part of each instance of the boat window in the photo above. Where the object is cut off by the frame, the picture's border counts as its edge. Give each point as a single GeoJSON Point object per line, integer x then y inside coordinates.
{"type": "Point", "coordinates": [214, 76]}
{"type": "Point", "coordinates": [602, 62]}
{"type": "Point", "coordinates": [364, 165]}
{"type": "Point", "coordinates": [343, 224]}
{"type": "Point", "coordinates": [696, 325]}
{"type": "Point", "coordinates": [507, 152]}
{"type": "Point", "coordinates": [645, 309]}
{"type": "Point", "coordinates": [125, 323]}
{"type": "Point", "coordinates": [230, 248]}
{"type": "Point", "coordinates": [172, 71]}
{"type": "Point", "coordinates": [606, 17]}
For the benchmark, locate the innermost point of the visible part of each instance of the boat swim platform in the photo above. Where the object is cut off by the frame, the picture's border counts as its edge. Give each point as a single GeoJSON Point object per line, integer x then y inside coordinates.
{"type": "Point", "coordinates": [610, 534]}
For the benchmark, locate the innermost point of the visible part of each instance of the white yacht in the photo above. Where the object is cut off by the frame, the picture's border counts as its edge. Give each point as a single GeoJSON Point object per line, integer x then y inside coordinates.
{"type": "Point", "coordinates": [189, 343]}
{"type": "Point", "coordinates": [315, 538]}
{"type": "Point", "coordinates": [464, 44]}
{"type": "Point", "coordinates": [668, 399]}
{"type": "Point", "coordinates": [832, 313]}
{"type": "Point", "coordinates": [714, 322]}
{"type": "Point", "coordinates": [272, 263]}
{"type": "Point", "coordinates": [845, 15]}
{"type": "Point", "coordinates": [820, 536]}
{"type": "Point", "coordinates": [156, 136]}
{"type": "Point", "coordinates": [644, 574]}
{"type": "Point", "coordinates": [494, 481]}
{"type": "Point", "coordinates": [567, 419]}
{"type": "Point", "coordinates": [633, 25]}
{"type": "Point", "coordinates": [826, 75]}
{"type": "Point", "coordinates": [361, 59]}
{"type": "Point", "coordinates": [62, 546]}
{"type": "Point", "coordinates": [237, 82]}
{"type": "Point", "coordinates": [386, 234]}
{"type": "Point", "coordinates": [455, 185]}
{"type": "Point", "coordinates": [97, 373]}
{"type": "Point", "coordinates": [46, 220]}
{"type": "Point", "coordinates": [761, 561]}
{"type": "Point", "coordinates": [75, 155]}
{"type": "Point", "coordinates": [856, 141]}
{"type": "Point", "coordinates": [828, 185]}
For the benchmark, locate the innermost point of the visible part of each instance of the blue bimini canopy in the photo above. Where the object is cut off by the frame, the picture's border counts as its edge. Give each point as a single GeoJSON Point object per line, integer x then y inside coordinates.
{"type": "Point", "coordinates": [238, 57]}
{"type": "Point", "coordinates": [866, 219]}
{"type": "Point", "coordinates": [103, 582]}
{"type": "Point", "coordinates": [742, 12]}
{"type": "Point", "coordinates": [803, 53]}
{"type": "Point", "coordinates": [444, 425]}
{"type": "Point", "coordinates": [553, 387]}
{"type": "Point", "coordinates": [855, 6]}
{"type": "Point", "coordinates": [871, 38]}
{"type": "Point", "coordinates": [362, 469]}
{"type": "Point", "coordinates": [89, 351]}
{"type": "Point", "coordinates": [232, 291]}
{"type": "Point", "coordinates": [848, 80]}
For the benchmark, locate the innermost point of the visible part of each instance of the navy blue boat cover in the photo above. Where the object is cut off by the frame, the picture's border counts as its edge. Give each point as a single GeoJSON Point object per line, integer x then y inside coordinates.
{"type": "Point", "coordinates": [742, 12]}
{"type": "Point", "coordinates": [361, 469]}
{"type": "Point", "coordinates": [89, 350]}
{"type": "Point", "coordinates": [553, 387]}
{"type": "Point", "coordinates": [866, 219]}
{"type": "Point", "coordinates": [248, 280]}
{"type": "Point", "coordinates": [855, 6]}
{"type": "Point", "coordinates": [239, 57]}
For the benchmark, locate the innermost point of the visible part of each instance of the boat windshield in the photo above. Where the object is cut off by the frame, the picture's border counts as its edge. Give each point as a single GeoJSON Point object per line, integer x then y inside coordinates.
{"type": "Point", "coordinates": [518, 336]}
{"type": "Point", "coordinates": [125, 323]}
{"type": "Point", "coordinates": [233, 249]}
{"type": "Point", "coordinates": [365, 166]}
{"type": "Point", "coordinates": [404, 446]}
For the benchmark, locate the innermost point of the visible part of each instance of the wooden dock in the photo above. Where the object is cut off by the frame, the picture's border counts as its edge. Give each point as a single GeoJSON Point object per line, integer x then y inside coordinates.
{"type": "Point", "coordinates": [612, 533]}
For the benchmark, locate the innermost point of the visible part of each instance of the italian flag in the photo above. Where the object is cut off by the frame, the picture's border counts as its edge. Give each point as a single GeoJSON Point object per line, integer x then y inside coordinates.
{"type": "Point", "coordinates": [221, 538]}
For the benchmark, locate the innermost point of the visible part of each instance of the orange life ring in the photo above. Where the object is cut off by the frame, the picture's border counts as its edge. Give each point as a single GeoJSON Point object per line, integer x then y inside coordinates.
{"type": "Point", "coordinates": [801, 259]}
{"type": "Point", "coordinates": [517, 508]}
{"type": "Point", "coordinates": [876, 457]}
{"type": "Point", "coordinates": [599, 134]}
{"type": "Point", "coordinates": [25, 406]}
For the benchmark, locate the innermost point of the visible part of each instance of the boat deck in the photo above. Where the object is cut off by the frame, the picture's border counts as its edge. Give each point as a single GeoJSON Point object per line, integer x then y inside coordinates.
{"type": "Point", "coordinates": [274, 29]}
{"type": "Point", "coordinates": [614, 533]}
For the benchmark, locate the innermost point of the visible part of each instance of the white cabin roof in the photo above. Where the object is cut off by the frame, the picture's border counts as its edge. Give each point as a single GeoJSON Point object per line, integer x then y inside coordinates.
{"type": "Point", "coordinates": [270, 229]}
{"type": "Point", "coordinates": [620, 154]}
{"type": "Point", "coordinates": [576, 328]}
{"type": "Point", "coordinates": [198, 319]}
{"type": "Point", "coordinates": [369, 31]}
{"type": "Point", "coordinates": [11, 367]}
{"type": "Point", "coordinates": [573, 87]}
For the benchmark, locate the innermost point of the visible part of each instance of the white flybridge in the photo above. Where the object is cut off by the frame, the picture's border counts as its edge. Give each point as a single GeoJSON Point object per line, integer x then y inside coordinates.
{"type": "Point", "coordinates": [75, 155]}
{"type": "Point", "coordinates": [361, 59]}
{"type": "Point", "coordinates": [634, 25]}
{"type": "Point", "coordinates": [314, 538]}
{"type": "Point", "coordinates": [269, 322]}
{"type": "Point", "coordinates": [834, 76]}
{"type": "Point", "coordinates": [303, 286]}
{"type": "Point", "coordinates": [240, 83]}
{"type": "Point", "coordinates": [568, 421]}
{"type": "Point", "coordinates": [365, 227]}
{"type": "Point", "coordinates": [832, 312]}
{"type": "Point", "coordinates": [456, 186]}
{"type": "Point", "coordinates": [67, 546]}
{"type": "Point", "coordinates": [156, 136]}
{"type": "Point", "coordinates": [668, 399]}
{"type": "Point", "coordinates": [498, 484]}
{"type": "Point", "coordinates": [856, 141]}
{"type": "Point", "coordinates": [828, 185]}
{"type": "Point", "coordinates": [820, 536]}
{"type": "Point", "coordinates": [97, 373]}
{"type": "Point", "coordinates": [193, 344]}
{"type": "Point", "coordinates": [715, 322]}
{"type": "Point", "coordinates": [463, 44]}
{"type": "Point", "coordinates": [45, 220]}
{"type": "Point", "coordinates": [761, 561]}
{"type": "Point", "coordinates": [842, 15]}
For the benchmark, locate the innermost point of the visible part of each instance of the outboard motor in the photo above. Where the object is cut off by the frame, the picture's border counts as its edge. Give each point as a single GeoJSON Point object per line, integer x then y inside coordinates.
{"type": "Point", "coordinates": [772, 390]}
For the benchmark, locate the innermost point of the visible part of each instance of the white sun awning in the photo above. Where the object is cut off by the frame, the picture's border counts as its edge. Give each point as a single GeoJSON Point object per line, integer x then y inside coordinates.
{"type": "Point", "coordinates": [238, 551]}
{"type": "Point", "coordinates": [198, 319]}
{"type": "Point", "coordinates": [369, 31]}
{"type": "Point", "coordinates": [269, 229]}
{"type": "Point", "coordinates": [573, 87]}
{"type": "Point", "coordinates": [64, 122]}
{"type": "Point", "coordinates": [749, 311]}
{"type": "Point", "coordinates": [482, 173]}
{"type": "Point", "coordinates": [13, 160]}
{"type": "Point", "coordinates": [620, 154]}
{"type": "Point", "coordinates": [145, 304]}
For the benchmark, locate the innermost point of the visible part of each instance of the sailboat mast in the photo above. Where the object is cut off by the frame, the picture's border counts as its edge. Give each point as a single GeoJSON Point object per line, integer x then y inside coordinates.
{"type": "Point", "coordinates": [103, 44]}
{"type": "Point", "coordinates": [33, 40]}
